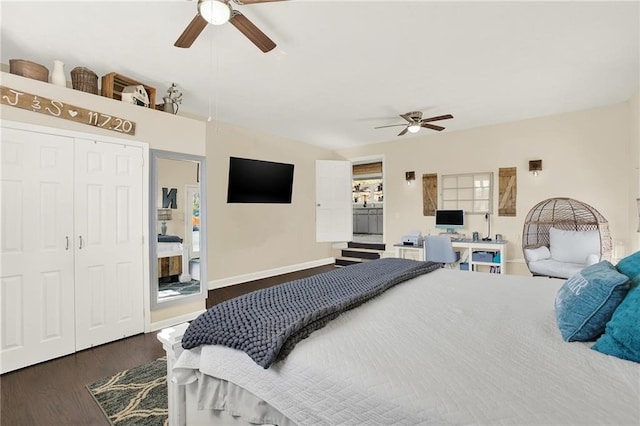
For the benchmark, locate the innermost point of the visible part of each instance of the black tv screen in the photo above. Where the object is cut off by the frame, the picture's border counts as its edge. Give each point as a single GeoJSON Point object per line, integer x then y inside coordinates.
{"type": "Point", "coordinates": [257, 181]}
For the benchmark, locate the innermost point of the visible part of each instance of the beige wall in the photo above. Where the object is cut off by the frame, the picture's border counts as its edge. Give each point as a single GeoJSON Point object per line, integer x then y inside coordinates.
{"type": "Point", "coordinates": [247, 238]}
{"type": "Point", "coordinates": [176, 174]}
{"type": "Point", "coordinates": [585, 156]}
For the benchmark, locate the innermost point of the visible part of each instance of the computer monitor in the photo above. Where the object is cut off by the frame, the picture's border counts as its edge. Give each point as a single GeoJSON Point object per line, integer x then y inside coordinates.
{"type": "Point", "coordinates": [450, 220]}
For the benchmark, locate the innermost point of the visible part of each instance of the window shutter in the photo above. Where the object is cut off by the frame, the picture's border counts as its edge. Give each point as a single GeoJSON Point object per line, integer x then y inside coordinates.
{"type": "Point", "coordinates": [507, 184]}
{"type": "Point", "coordinates": [429, 194]}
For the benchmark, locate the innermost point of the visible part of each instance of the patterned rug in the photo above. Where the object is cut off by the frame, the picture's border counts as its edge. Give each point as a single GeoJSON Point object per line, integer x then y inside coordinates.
{"type": "Point", "coordinates": [135, 397]}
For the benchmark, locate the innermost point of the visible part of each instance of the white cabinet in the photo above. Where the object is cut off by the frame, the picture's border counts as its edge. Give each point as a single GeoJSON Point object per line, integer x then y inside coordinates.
{"type": "Point", "coordinates": [367, 220]}
{"type": "Point", "coordinates": [373, 221]}
{"type": "Point", "coordinates": [361, 225]}
{"type": "Point", "coordinates": [71, 244]}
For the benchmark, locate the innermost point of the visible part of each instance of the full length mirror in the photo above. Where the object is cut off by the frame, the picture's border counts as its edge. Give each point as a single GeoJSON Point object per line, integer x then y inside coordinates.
{"type": "Point", "coordinates": [178, 222]}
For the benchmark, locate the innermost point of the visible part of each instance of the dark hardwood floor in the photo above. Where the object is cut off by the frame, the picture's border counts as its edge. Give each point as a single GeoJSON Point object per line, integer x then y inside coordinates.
{"type": "Point", "coordinates": [53, 393]}
{"type": "Point", "coordinates": [222, 294]}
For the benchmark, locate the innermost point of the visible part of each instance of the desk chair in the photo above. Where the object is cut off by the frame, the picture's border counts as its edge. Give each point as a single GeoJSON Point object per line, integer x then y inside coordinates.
{"type": "Point", "coordinates": [438, 248]}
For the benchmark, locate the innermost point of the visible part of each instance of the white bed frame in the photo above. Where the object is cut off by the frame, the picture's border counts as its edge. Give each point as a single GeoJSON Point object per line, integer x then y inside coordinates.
{"type": "Point", "coordinates": [171, 339]}
{"type": "Point", "coordinates": [182, 399]}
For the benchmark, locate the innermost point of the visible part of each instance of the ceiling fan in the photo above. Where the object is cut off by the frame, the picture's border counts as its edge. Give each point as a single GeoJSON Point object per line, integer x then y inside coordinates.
{"type": "Point", "coordinates": [219, 12]}
{"type": "Point", "coordinates": [416, 122]}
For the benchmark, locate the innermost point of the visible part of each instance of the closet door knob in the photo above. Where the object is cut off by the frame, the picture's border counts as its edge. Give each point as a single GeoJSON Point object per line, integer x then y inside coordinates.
{"type": "Point", "coordinates": [80, 242]}
{"type": "Point", "coordinates": [67, 246]}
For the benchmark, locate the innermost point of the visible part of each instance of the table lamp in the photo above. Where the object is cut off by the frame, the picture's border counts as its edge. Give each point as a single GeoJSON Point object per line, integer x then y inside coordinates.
{"type": "Point", "coordinates": [163, 216]}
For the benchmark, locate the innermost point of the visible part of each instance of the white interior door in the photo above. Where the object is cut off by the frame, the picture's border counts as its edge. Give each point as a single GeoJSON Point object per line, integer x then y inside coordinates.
{"type": "Point", "coordinates": [109, 242]}
{"type": "Point", "coordinates": [334, 208]}
{"type": "Point", "coordinates": [37, 292]}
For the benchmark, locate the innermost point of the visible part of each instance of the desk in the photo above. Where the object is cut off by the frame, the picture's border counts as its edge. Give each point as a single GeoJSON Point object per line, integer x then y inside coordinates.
{"type": "Point", "coordinates": [467, 248]}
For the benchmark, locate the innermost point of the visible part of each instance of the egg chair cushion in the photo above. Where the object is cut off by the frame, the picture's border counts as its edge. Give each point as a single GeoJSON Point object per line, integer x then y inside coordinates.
{"type": "Point", "coordinates": [573, 246]}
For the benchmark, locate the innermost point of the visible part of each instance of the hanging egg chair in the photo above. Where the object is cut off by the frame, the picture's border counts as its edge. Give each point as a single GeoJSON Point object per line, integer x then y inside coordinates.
{"type": "Point", "coordinates": [566, 214]}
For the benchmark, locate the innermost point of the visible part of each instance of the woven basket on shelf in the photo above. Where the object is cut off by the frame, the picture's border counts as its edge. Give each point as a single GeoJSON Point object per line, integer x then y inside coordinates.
{"type": "Point", "coordinates": [28, 69]}
{"type": "Point", "coordinates": [85, 80]}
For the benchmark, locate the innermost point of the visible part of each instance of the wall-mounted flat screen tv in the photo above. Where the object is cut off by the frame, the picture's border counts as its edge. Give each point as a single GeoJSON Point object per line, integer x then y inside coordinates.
{"type": "Point", "coordinates": [258, 181]}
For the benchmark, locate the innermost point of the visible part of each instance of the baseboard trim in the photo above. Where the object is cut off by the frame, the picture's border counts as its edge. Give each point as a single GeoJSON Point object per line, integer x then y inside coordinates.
{"type": "Point", "coordinates": [155, 326]}
{"type": "Point", "coordinates": [239, 279]}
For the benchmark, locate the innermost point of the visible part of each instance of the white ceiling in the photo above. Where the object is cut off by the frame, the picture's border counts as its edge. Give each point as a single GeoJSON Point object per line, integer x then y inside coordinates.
{"type": "Point", "coordinates": [342, 68]}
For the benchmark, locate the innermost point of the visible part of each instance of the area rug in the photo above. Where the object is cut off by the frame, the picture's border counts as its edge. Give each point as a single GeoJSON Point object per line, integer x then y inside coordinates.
{"type": "Point", "coordinates": [135, 397]}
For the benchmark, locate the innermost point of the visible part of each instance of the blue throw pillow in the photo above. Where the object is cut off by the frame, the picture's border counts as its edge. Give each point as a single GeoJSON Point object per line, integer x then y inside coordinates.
{"type": "Point", "coordinates": [622, 334]}
{"type": "Point", "coordinates": [630, 265]}
{"type": "Point", "coordinates": [587, 300]}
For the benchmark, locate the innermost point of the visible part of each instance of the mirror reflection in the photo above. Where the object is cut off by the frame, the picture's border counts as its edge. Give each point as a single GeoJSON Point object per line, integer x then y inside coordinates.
{"type": "Point", "coordinates": [178, 248]}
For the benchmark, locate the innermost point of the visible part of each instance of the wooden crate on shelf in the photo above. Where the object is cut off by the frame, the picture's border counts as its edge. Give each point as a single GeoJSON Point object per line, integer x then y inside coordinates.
{"type": "Point", "coordinates": [113, 83]}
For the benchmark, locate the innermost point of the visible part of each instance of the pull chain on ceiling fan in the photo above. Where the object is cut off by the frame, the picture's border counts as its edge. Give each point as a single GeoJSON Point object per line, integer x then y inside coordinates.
{"type": "Point", "coordinates": [416, 122]}
{"type": "Point", "coordinates": [219, 12]}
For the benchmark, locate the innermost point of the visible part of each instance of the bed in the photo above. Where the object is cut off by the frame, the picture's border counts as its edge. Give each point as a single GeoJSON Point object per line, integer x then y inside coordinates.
{"type": "Point", "coordinates": [169, 252]}
{"type": "Point", "coordinates": [169, 246]}
{"type": "Point", "coordinates": [446, 347]}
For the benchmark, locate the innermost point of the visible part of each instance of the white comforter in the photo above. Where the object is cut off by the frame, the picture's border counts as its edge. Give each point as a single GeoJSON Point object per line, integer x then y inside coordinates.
{"type": "Point", "coordinates": [449, 347]}
{"type": "Point", "coordinates": [169, 249]}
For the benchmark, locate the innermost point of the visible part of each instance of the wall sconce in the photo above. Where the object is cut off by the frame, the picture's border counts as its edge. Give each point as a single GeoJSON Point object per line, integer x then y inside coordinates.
{"type": "Point", "coordinates": [535, 166]}
{"type": "Point", "coordinates": [409, 177]}
{"type": "Point", "coordinates": [163, 216]}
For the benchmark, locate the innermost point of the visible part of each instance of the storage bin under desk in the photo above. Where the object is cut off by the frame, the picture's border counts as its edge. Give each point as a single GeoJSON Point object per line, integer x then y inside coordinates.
{"type": "Point", "coordinates": [484, 256]}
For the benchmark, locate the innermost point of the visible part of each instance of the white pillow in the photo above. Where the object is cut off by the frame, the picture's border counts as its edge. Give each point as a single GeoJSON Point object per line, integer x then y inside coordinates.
{"type": "Point", "coordinates": [592, 259]}
{"type": "Point", "coordinates": [536, 254]}
{"type": "Point", "coordinates": [573, 246]}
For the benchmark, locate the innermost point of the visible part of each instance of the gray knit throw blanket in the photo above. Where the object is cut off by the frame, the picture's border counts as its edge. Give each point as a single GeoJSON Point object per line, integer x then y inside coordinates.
{"type": "Point", "coordinates": [268, 323]}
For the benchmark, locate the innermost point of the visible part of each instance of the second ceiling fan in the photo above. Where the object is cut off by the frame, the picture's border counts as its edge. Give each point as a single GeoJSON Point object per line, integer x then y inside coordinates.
{"type": "Point", "coordinates": [219, 12]}
{"type": "Point", "coordinates": [415, 122]}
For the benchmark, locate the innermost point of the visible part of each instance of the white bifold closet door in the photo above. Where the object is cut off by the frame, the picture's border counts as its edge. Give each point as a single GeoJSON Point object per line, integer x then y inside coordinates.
{"type": "Point", "coordinates": [108, 241]}
{"type": "Point", "coordinates": [71, 245]}
{"type": "Point", "coordinates": [37, 293]}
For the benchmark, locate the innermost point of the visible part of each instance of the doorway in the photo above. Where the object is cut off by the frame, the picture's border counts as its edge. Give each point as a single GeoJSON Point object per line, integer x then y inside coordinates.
{"type": "Point", "coordinates": [368, 200]}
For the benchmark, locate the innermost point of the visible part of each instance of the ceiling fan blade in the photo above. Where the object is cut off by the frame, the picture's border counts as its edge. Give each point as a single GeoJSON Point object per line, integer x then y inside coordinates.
{"type": "Point", "coordinates": [406, 129]}
{"type": "Point", "coordinates": [408, 116]}
{"type": "Point", "coordinates": [391, 125]}
{"type": "Point", "coordinates": [432, 127]}
{"type": "Point", "coordinates": [252, 32]}
{"type": "Point", "coordinates": [191, 33]}
{"type": "Point", "coordinates": [440, 117]}
{"type": "Point", "coordinates": [242, 2]}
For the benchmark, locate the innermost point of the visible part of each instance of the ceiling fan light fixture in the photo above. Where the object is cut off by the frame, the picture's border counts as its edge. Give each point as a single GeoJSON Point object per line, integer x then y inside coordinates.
{"type": "Point", "coordinates": [216, 12]}
{"type": "Point", "coordinates": [414, 127]}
